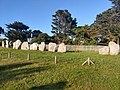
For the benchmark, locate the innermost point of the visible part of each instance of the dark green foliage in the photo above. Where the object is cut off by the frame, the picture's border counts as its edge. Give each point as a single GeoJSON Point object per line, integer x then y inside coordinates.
{"type": "Point", "coordinates": [28, 33]}
{"type": "Point", "coordinates": [17, 30]}
{"type": "Point", "coordinates": [62, 25]}
{"type": "Point", "coordinates": [84, 35]}
{"type": "Point", "coordinates": [17, 26]}
{"type": "Point", "coordinates": [108, 22]}
{"type": "Point", "coordinates": [36, 33]}
{"type": "Point", "coordinates": [42, 37]}
{"type": "Point", "coordinates": [116, 4]}
{"type": "Point", "coordinates": [80, 35]}
{"type": "Point", "coordinates": [1, 30]}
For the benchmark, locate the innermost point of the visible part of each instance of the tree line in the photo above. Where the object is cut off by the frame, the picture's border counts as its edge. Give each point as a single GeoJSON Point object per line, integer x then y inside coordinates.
{"type": "Point", "coordinates": [105, 28]}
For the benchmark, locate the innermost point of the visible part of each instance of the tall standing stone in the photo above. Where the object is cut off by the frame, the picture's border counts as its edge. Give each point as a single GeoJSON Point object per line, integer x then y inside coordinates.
{"type": "Point", "coordinates": [6, 43]}
{"type": "Point", "coordinates": [34, 46]}
{"type": "Point", "coordinates": [114, 48]}
{"type": "Point", "coordinates": [62, 48]}
{"type": "Point", "coordinates": [14, 45]}
{"type": "Point", "coordinates": [17, 44]}
{"type": "Point", "coordinates": [3, 43]}
{"type": "Point", "coordinates": [52, 47]}
{"type": "Point", "coordinates": [42, 46]}
{"type": "Point", "coordinates": [25, 46]}
{"type": "Point", "coordinates": [104, 51]}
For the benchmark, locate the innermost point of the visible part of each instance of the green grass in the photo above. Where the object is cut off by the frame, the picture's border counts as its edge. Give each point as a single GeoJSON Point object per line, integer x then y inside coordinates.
{"type": "Point", "coordinates": [40, 72]}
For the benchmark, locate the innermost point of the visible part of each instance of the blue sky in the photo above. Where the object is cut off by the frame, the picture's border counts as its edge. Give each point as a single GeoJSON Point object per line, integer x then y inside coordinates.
{"type": "Point", "coordinates": [37, 14]}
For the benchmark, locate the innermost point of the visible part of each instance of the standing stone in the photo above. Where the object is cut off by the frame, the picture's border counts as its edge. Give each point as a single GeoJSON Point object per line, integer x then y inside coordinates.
{"type": "Point", "coordinates": [62, 48]}
{"type": "Point", "coordinates": [3, 43]}
{"type": "Point", "coordinates": [14, 45]}
{"type": "Point", "coordinates": [104, 51]}
{"type": "Point", "coordinates": [34, 46]}
{"type": "Point", "coordinates": [42, 46]}
{"type": "Point", "coordinates": [17, 44]}
{"type": "Point", "coordinates": [25, 46]}
{"type": "Point", "coordinates": [114, 48]}
{"type": "Point", "coordinates": [6, 43]}
{"type": "Point", "coordinates": [52, 47]}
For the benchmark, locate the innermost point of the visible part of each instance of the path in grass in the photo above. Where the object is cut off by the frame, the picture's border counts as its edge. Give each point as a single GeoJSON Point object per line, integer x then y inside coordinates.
{"type": "Point", "coordinates": [40, 72]}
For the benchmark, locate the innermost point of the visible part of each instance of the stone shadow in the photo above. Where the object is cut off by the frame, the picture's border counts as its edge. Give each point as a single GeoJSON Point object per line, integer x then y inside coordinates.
{"type": "Point", "coordinates": [20, 73]}
{"type": "Point", "coordinates": [52, 86]}
{"type": "Point", "coordinates": [14, 65]}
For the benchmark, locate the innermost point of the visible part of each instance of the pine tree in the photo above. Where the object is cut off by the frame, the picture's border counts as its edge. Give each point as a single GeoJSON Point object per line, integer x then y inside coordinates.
{"type": "Point", "coordinates": [62, 25]}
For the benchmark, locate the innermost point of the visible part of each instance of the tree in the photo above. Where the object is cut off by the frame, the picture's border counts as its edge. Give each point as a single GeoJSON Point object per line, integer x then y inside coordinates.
{"type": "Point", "coordinates": [1, 30]}
{"type": "Point", "coordinates": [116, 4]}
{"type": "Point", "coordinates": [17, 30]}
{"type": "Point", "coordinates": [108, 22]}
{"type": "Point", "coordinates": [36, 33]}
{"type": "Point", "coordinates": [62, 25]}
{"type": "Point", "coordinates": [17, 26]}
{"type": "Point", "coordinates": [42, 37]}
{"type": "Point", "coordinates": [84, 35]}
{"type": "Point", "coordinates": [80, 36]}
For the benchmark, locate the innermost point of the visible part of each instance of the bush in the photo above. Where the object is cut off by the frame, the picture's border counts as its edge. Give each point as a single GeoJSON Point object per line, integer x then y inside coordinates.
{"type": "Point", "coordinates": [93, 42]}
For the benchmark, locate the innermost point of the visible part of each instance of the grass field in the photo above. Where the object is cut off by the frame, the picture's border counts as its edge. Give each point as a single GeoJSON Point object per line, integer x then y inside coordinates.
{"type": "Point", "coordinates": [40, 72]}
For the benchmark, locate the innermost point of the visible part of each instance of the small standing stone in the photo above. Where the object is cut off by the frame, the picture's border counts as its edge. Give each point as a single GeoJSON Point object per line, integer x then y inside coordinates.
{"type": "Point", "coordinates": [104, 51]}
{"type": "Point", "coordinates": [62, 48]}
{"type": "Point", "coordinates": [17, 44]}
{"type": "Point", "coordinates": [34, 46]}
{"type": "Point", "coordinates": [25, 46]}
{"type": "Point", "coordinates": [6, 43]}
{"type": "Point", "coordinates": [3, 43]}
{"type": "Point", "coordinates": [14, 45]}
{"type": "Point", "coordinates": [52, 47]}
{"type": "Point", "coordinates": [42, 46]}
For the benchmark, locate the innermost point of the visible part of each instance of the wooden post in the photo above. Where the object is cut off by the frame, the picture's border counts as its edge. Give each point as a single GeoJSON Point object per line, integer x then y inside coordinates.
{"type": "Point", "coordinates": [9, 54]}
{"type": "Point", "coordinates": [88, 61]}
{"type": "Point", "coordinates": [1, 56]}
{"type": "Point", "coordinates": [28, 56]}
{"type": "Point", "coordinates": [55, 60]}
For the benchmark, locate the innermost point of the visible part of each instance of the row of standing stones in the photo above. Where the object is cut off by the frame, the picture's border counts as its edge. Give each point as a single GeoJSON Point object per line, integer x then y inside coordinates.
{"type": "Point", "coordinates": [111, 49]}
{"type": "Point", "coordinates": [52, 47]}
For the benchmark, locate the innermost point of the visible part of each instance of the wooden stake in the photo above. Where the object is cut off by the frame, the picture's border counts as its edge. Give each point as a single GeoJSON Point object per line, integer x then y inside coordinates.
{"type": "Point", "coordinates": [89, 61]}
{"type": "Point", "coordinates": [9, 54]}
{"type": "Point", "coordinates": [55, 60]}
{"type": "Point", "coordinates": [1, 56]}
{"type": "Point", "coordinates": [28, 57]}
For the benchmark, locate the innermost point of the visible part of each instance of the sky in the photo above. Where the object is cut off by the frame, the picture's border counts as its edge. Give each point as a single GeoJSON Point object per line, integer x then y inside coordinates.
{"type": "Point", "coordinates": [37, 14]}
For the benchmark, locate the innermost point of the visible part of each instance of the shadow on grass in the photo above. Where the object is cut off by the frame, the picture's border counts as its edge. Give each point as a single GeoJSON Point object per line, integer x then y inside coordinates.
{"type": "Point", "coordinates": [73, 51]}
{"type": "Point", "coordinates": [52, 86]}
{"type": "Point", "coordinates": [20, 73]}
{"type": "Point", "coordinates": [14, 65]}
